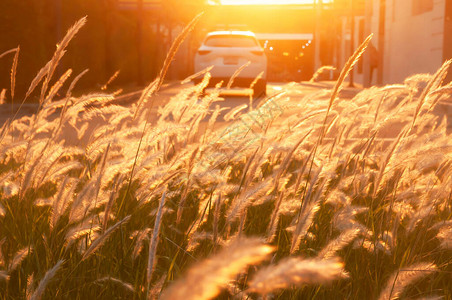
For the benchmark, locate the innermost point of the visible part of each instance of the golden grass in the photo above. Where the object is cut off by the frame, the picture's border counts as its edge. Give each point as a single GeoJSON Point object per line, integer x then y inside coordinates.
{"type": "Point", "coordinates": [295, 271]}
{"type": "Point", "coordinates": [359, 187]}
{"type": "Point", "coordinates": [204, 281]}
{"type": "Point", "coordinates": [13, 72]}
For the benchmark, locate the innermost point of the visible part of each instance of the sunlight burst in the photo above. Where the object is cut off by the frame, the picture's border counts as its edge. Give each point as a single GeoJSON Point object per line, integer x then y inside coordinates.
{"type": "Point", "coordinates": [268, 2]}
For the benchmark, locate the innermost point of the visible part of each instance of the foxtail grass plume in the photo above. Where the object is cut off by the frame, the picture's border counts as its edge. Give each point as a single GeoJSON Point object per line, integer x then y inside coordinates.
{"type": "Point", "coordinates": [340, 242]}
{"type": "Point", "coordinates": [434, 83]}
{"type": "Point", "coordinates": [119, 282]}
{"type": "Point", "coordinates": [175, 46]}
{"type": "Point", "coordinates": [102, 239]}
{"type": "Point", "coordinates": [320, 71]}
{"type": "Point", "coordinates": [37, 294]}
{"type": "Point", "coordinates": [37, 79]}
{"type": "Point", "coordinates": [154, 241]}
{"type": "Point", "coordinates": [57, 86]}
{"type": "Point", "coordinates": [345, 71]}
{"type": "Point", "coordinates": [295, 271]}
{"type": "Point", "coordinates": [207, 278]}
{"type": "Point", "coordinates": [304, 222]}
{"type": "Point", "coordinates": [4, 276]}
{"type": "Point", "coordinates": [61, 49]}
{"type": "Point", "coordinates": [232, 114]}
{"type": "Point", "coordinates": [398, 281]}
{"type": "Point", "coordinates": [2, 96]}
{"type": "Point", "coordinates": [8, 52]}
{"type": "Point", "coordinates": [237, 73]}
{"type": "Point", "coordinates": [445, 236]}
{"type": "Point", "coordinates": [110, 80]}
{"type": "Point", "coordinates": [19, 257]}
{"type": "Point", "coordinates": [196, 75]}
{"type": "Point", "coordinates": [74, 82]}
{"type": "Point", "coordinates": [14, 71]}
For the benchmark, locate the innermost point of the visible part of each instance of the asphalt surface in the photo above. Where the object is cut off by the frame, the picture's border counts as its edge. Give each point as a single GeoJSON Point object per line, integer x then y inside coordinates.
{"type": "Point", "coordinates": [232, 98]}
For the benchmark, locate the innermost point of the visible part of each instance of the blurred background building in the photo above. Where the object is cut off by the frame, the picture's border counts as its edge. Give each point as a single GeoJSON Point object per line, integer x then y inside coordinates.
{"type": "Point", "coordinates": [133, 36]}
{"type": "Point", "coordinates": [410, 37]}
{"type": "Point", "coordinates": [416, 36]}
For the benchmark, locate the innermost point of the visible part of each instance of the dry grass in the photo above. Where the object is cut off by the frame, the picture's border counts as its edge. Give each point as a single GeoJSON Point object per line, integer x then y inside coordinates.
{"type": "Point", "coordinates": [322, 190]}
{"type": "Point", "coordinates": [295, 271]}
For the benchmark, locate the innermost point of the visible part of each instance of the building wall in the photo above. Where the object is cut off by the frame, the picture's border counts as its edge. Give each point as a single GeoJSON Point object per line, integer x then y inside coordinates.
{"type": "Point", "coordinates": [448, 37]}
{"type": "Point", "coordinates": [346, 51]}
{"type": "Point", "coordinates": [413, 39]}
{"type": "Point", "coordinates": [364, 25]}
{"type": "Point", "coordinates": [374, 15]}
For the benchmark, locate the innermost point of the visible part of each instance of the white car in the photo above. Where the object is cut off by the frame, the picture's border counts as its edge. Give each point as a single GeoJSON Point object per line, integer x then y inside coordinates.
{"type": "Point", "coordinates": [227, 51]}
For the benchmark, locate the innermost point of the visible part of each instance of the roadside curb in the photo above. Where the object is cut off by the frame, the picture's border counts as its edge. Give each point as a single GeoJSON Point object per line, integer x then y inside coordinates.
{"type": "Point", "coordinates": [329, 85]}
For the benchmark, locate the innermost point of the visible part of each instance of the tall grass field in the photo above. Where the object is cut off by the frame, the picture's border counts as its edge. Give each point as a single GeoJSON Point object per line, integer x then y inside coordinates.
{"type": "Point", "coordinates": [317, 197]}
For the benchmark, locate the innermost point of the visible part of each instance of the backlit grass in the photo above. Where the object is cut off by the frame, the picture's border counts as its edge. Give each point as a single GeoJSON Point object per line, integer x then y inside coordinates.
{"type": "Point", "coordinates": [307, 197]}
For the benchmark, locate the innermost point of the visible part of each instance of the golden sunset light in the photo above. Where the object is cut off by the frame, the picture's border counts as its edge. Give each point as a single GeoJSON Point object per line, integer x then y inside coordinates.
{"type": "Point", "coordinates": [269, 2]}
{"type": "Point", "coordinates": [225, 149]}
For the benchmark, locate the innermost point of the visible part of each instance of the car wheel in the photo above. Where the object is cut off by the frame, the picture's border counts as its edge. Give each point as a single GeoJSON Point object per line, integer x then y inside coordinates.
{"type": "Point", "coordinates": [260, 89]}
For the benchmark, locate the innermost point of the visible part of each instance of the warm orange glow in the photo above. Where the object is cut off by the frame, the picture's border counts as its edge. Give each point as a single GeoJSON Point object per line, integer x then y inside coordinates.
{"type": "Point", "coordinates": [268, 2]}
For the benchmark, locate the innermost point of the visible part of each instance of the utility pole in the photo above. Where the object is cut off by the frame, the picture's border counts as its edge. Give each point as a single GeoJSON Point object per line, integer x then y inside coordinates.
{"type": "Point", "coordinates": [157, 47]}
{"type": "Point", "coordinates": [169, 25]}
{"type": "Point", "coordinates": [318, 6]}
{"type": "Point", "coordinates": [140, 52]}
{"type": "Point", "coordinates": [108, 38]}
{"type": "Point", "coordinates": [381, 41]}
{"type": "Point", "coordinates": [367, 56]}
{"type": "Point", "coordinates": [352, 40]}
{"type": "Point", "coordinates": [58, 27]}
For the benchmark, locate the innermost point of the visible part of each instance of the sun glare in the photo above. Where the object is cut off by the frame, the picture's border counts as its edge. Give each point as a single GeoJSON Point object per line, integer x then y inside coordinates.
{"type": "Point", "coordinates": [267, 2]}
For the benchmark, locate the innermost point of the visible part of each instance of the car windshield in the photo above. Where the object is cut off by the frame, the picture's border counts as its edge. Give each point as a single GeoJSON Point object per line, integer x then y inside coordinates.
{"type": "Point", "coordinates": [230, 41]}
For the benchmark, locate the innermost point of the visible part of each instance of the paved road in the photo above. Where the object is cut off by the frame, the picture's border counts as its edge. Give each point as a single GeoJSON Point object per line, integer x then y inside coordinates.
{"type": "Point", "coordinates": [232, 98]}
{"type": "Point", "coordinates": [236, 96]}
